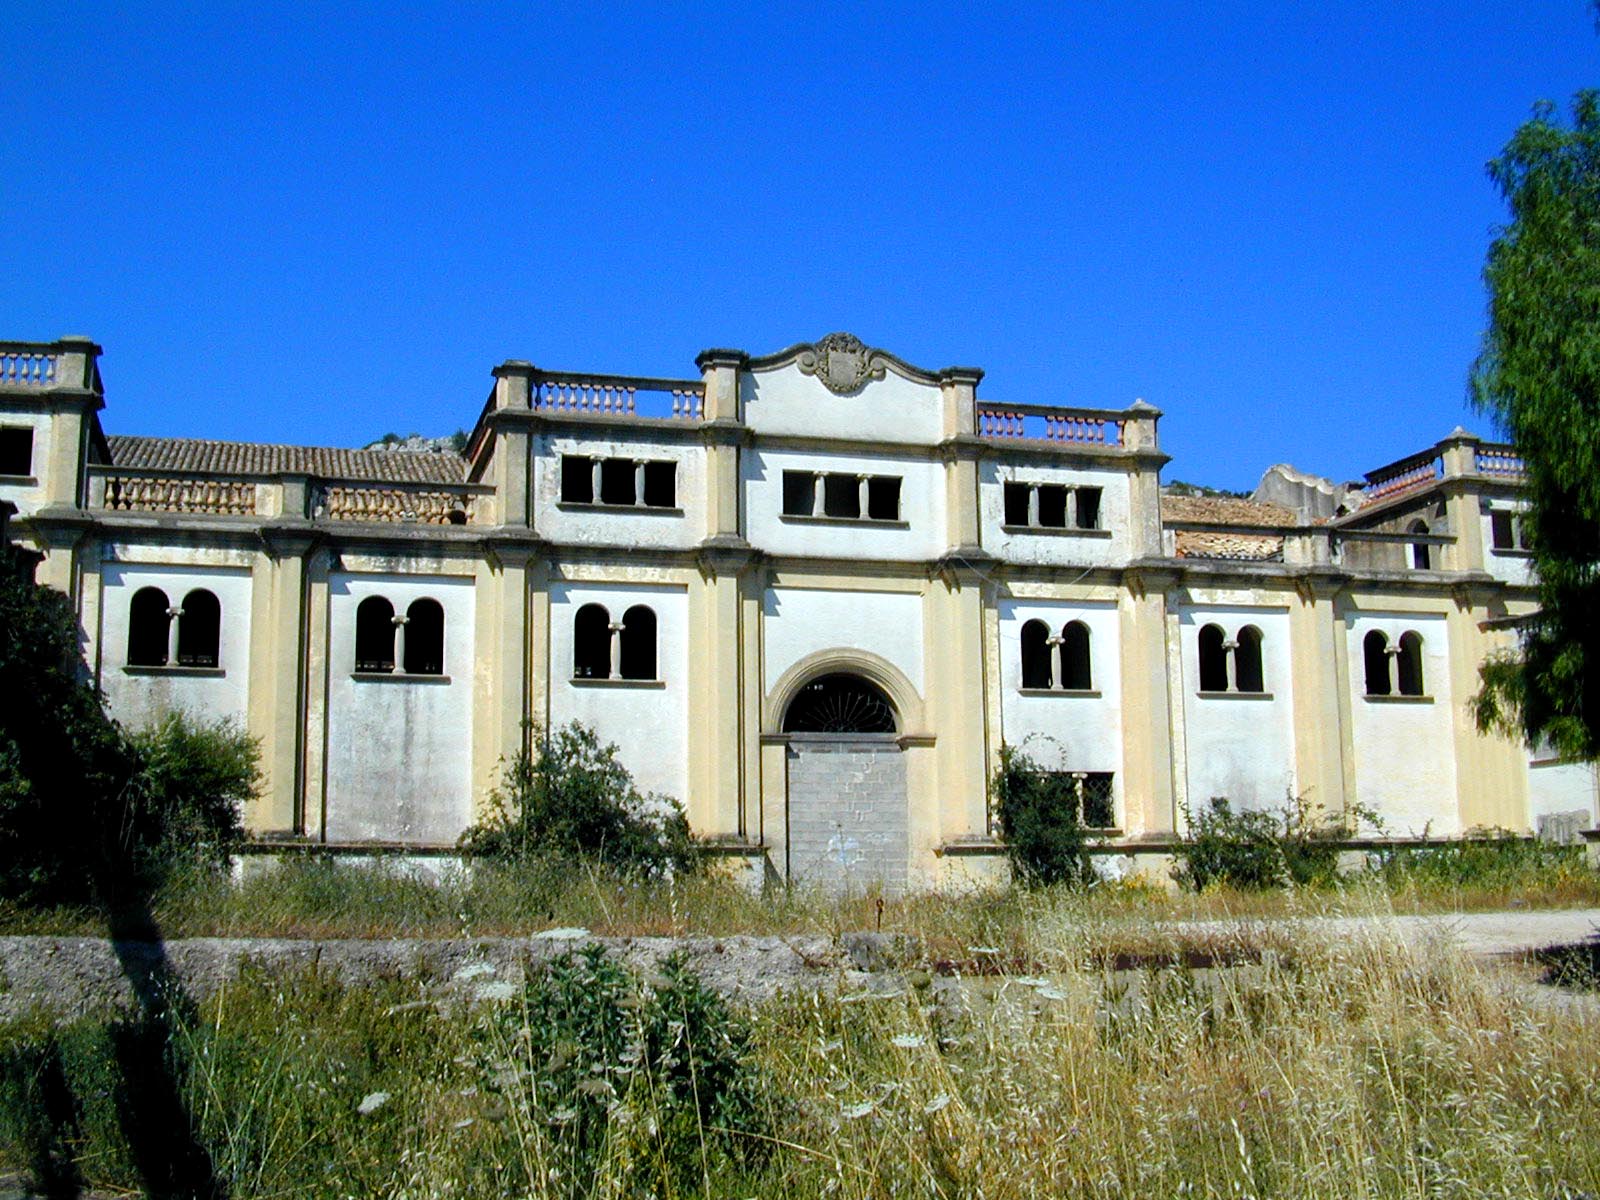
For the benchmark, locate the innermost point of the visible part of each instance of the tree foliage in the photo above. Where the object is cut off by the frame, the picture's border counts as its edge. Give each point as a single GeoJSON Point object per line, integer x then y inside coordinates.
{"type": "Point", "coordinates": [1539, 375]}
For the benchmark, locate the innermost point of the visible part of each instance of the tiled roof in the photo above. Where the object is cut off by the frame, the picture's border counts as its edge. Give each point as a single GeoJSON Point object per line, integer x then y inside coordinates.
{"type": "Point", "coordinates": [1225, 543]}
{"type": "Point", "coordinates": [254, 458]}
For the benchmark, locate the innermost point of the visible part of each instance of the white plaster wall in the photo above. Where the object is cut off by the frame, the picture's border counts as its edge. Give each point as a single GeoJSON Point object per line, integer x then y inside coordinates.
{"type": "Point", "coordinates": [891, 409]}
{"type": "Point", "coordinates": [1514, 566]}
{"type": "Point", "coordinates": [1405, 751]}
{"type": "Point", "coordinates": [26, 497]}
{"type": "Point", "coordinates": [141, 699]}
{"type": "Point", "coordinates": [1065, 732]}
{"type": "Point", "coordinates": [920, 536]}
{"type": "Point", "coordinates": [801, 621]}
{"type": "Point", "coordinates": [1053, 546]}
{"type": "Point", "coordinates": [1555, 788]}
{"type": "Point", "coordinates": [649, 724]}
{"type": "Point", "coordinates": [1240, 747]}
{"type": "Point", "coordinates": [586, 525]}
{"type": "Point", "coordinates": [399, 754]}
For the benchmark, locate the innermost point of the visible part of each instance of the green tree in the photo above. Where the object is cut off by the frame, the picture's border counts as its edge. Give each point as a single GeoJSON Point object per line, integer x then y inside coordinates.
{"type": "Point", "coordinates": [1539, 375]}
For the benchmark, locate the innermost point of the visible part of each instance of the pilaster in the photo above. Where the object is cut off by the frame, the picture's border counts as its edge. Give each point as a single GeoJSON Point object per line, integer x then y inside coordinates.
{"type": "Point", "coordinates": [1147, 758]}
{"type": "Point", "coordinates": [1459, 455]}
{"type": "Point", "coordinates": [1319, 668]}
{"type": "Point", "coordinates": [1139, 432]}
{"type": "Point", "coordinates": [717, 638]}
{"type": "Point", "coordinates": [954, 691]}
{"type": "Point", "coordinates": [277, 655]}
{"type": "Point", "coordinates": [512, 465]}
{"type": "Point", "coordinates": [1491, 769]}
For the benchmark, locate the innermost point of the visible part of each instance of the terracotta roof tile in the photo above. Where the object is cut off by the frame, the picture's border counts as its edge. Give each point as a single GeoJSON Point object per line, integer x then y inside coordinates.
{"type": "Point", "coordinates": [1219, 510]}
{"type": "Point", "coordinates": [255, 458]}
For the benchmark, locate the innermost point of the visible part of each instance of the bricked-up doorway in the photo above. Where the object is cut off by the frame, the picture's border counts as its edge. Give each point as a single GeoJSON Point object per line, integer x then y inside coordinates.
{"type": "Point", "coordinates": [847, 788]}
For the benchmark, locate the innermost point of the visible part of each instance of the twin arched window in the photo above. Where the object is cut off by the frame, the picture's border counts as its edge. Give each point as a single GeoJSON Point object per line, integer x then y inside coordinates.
{"type": "Point", "coordinates": [1231, 664]}
{"type": "Point", "coordinates": [625, 649]}
{"type": "Point", "coordinates": [1393, 670]}
{"type": "Point", "coordinates": [160, 635]}
{"type": "Point", "coordinates": [415, 640]}
{"type": "Point", "coordinates": [1060, 662]}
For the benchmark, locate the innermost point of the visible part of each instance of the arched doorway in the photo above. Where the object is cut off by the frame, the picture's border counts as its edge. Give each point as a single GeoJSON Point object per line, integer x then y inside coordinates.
{"type": "Point", "coordinates": [847, 818]}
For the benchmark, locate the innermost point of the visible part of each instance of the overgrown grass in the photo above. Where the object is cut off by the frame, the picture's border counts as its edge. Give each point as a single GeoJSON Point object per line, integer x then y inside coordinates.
{"type": "Point", "coordinates": [1356, 1067]}
{"type": "Point", "coordinates": [328, 897]}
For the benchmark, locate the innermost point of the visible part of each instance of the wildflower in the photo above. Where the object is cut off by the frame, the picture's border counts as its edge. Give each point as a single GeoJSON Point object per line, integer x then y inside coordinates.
{"type": "Point", "coordinates": [372, 1102]}
{"type": "Point", "coordinates": [937, 1103]}
{"type": "Point", "coordinates": [563, 1115]}
{"type": "Point", "coordinates": [498, 990]}
{"type": "Point", "coordinates": [474, 971]}
{"type": "Point", "coordinates": [827, 1048]}
{"type": "Point", "coordinates": [856, 1111]}
{"type": "Point", "coordinates": [907, 1041]}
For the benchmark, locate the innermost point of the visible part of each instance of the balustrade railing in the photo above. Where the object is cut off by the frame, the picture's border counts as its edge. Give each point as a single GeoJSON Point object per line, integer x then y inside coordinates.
{"type": "Point", "coordinates": [1499, 461]}
{"type": "Point", "coordinates": [1041, 422]}
{"type": "Point", "coordinates": [619, 396]}
{"type": "Point", "coordinates": [1419, 470]}
{"type": "Point", "coordinates": [126, 492]}
{"type": "Point", "coordinates": [26, 368]}
{"type": "Point", "coordinates": [393, 505]}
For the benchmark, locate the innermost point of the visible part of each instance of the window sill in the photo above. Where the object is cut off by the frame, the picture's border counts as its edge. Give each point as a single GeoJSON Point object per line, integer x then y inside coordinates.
{"type": "Point", "coordinates": [1081, 693]}
{"type": "Point", "coordinates": [874, 522]}
{"type": "Point", "coordinates": [618, 683]}
{"type": "Point", "coordinates": [1496, 551]}
{"type": "Point", "coordinates": [1234, 695]}
{"type": "Point", "coordinates": [1398, 699]}
{"type": "Point", "coordinates": [641, 510]}
{"type": "Point", "coordinates": [1056, 531]}
{"type": "Point", "coordinates": [396, 677]}
{"type": "Point", "coordinates": [19, 481]}
{"type": "Point", "coordinates": [200, 672]}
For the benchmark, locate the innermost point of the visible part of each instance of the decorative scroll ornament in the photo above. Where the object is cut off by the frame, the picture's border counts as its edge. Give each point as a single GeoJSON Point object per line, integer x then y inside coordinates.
{"type": "Point", "coordinates": [842, 362]}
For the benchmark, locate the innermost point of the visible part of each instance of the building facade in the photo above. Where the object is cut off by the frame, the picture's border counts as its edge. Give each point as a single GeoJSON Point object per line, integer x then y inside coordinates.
{"type": "Point", "coordinates": [810, 594]}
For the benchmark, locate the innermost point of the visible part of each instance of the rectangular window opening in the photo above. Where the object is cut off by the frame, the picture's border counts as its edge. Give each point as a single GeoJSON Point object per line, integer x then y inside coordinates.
{"type": "Point", "coordinates": [1088, 508]}
{"type": "Point", "coordinates": [1017, 503]}
{"type": "Point", "coordinates": [616, 481]}
{"type": "Point", "coordinates": [577, 479]}
{"type": "Point", "coordinates": [883, 498]}
{"type": "Point", "coordinates": [1500, 530]}
{"type": "Point", "coordinates": [841, 495]}
{"type": "Point", "coordinates": [798, 488]}
{"type": "Point", "coordinates": [1052, 506]}
{"type": "Point", "coordinates": [661, 484]}
{"type": "Point", "coordinates": [16, 451]}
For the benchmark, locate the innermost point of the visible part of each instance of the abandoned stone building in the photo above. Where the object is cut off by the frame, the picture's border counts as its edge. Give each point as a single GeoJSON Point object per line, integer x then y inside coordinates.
{"type": "Point", "coordinates": [810, 594]}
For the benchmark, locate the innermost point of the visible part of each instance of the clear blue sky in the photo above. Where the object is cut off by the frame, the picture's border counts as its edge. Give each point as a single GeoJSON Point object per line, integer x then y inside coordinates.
{"type": "Point", "coordinates": [1268, 220]}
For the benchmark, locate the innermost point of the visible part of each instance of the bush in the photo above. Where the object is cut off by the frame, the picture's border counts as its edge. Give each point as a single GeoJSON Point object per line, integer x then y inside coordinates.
{"type": "Point", "coordinates": [572, 798]}
{"type": "Point", "coordinates": [657, 1076]}
{"type": "Point", "coordinates": [1494, 859]}
{"type": "Point", "coordinates": [1257, 850]}
{"type": "Point", "coordinates": [186, 799]}
{"type": "Point", "coordinates": [1046, 842]}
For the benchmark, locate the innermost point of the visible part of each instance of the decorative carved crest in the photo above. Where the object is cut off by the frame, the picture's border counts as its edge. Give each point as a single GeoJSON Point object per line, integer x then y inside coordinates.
{"type": "Point", "coordinates": [842, 362]}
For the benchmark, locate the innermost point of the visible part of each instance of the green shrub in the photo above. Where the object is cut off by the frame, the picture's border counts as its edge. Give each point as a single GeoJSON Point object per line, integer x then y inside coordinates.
{"type": "Point", "coordinates": [1037, 810]}
{"type": "Point", "coordinates": [1257, 850]}
{"type": "Point", "coordinates": [572, 798]}
{"type": "Point", "coordinates": [1493, 859]}
{"type": "Point", "coordinates": [186, 799]}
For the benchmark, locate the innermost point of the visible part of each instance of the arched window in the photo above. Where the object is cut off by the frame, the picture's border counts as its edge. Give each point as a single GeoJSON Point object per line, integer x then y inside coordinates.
{"type": "Point", "coordinates": [1375, 650]}
{"type": "Point", "coordinates": [1408, 664]}
{"type": "Point", "coordinates": [375, 635]}
{"type": "Point", "coordinates": [1247, 674]}
{"type": "Point", "coordinates": [1036, 671]}
{"type": "Point", "coordinates": [591, 643]}
{"type": "Point", "coordinates": [1213, 660]}
{"type": "Point", "coordinates": [839, 704]}
{"type": "Point", "coordinates": [424, 638]}
{"type": "Point", "coordinates": [1075, 671]}
{"type": "Point", "coordinates": [199, 630]}
{"type": "Point", "coordinates": [639, 643]}
{"type": "Point", "coordinates": [1421, 552]}
{"type": "Point", "coordinates": [147, 628]}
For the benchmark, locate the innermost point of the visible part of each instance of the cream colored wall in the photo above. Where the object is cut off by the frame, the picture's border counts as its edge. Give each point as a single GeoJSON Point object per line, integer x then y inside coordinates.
{"type": "Point", "coordinates": [919, 536]}
{"type": "Point", "coordinates": [889, 410]}
{"type": "Point", "coordinates": [603, 525]}
{"type": "Point", "coordinates": [1111, 543]}
{"type": "Point", "coordinates": [30, 496]}
{"type": "Point", "coordinates": [801, 621]}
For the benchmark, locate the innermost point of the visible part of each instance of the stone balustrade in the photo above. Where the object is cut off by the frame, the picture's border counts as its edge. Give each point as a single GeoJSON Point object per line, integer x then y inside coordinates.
{"type": "Point", "coordinates": [121, 491]}
{"type": "Point", "coordinates": [618, 396]}
{"type": "Point", "coordinates": [1408, 474]}
{"type": "Point", "coordinates": [1499, 461]}
{"type": "Point", "coordinates": [392, 504]}
{"type": "Point", "coordinates": [23, 366]}
{"type": "Point", "coordinates": [1042, 422]}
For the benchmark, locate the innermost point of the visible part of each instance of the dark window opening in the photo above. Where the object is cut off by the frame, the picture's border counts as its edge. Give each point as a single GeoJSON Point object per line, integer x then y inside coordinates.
{"type": "Point", "coordinates": [616, 481]}
{"type": "Point", "coordinates": [16, 451]}
{"type": "Point", "coordinates": [839, 704]}
{"type": "Point", "coordinates": [799, 489]}
{"type": "Point", "coordinates": [199, 630]}
{"type": "Point", "coordinates": [424, 638]}
{"type": "Point", "coordinates": [1375, 654]}
{"type": "Point", "coordinates": [639, 643]}
{"type": "Point", "coordinates": [1036, 671]}
{"type": "Point", "coordinates": [1016, 495]}
{"type": "Point", "coordinates": [1086, 794]}
{"type": "Point", "coordinates": [375, 635]}
{"type": "Point", "coordinates": [1213, 660]}
{"type": "Point", "coordinates": [841, 496]}
{"type": "Point", "coordinates": [147, 628]}
{"type": "Point", "coordinates": [1099, 810]}
{"type": "Point", "coordinates": [883, 498]}
{"type": "Point", "coordinates": [1247, 671]}
{"type": "Point", "coordinates": [661, 484]}
{"type": "Point", "coordinates": [1052, 506]}
{"type": "Point", "coordinates": [577, 479]}
{"type": "Point", "coordinates": [1075, 669]}
{"type": "Point", "coordinates": [591, 643]}
{"type": "Point", "coordinates": [1421, 552]}
{"type": "Point", "coordinates": [1500, 531]}
{"type": "Point", "coordinates": [1408, 664]}
{"type": "Point", "coordinates": [1088, 508]}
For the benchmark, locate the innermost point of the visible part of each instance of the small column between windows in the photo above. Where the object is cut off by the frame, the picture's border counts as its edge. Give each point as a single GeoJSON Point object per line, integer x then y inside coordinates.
{"type": "Point", "coordinates": [616, 628]}
{"type": "Point", "coordinates": [1230, 660]}
{"type": "Point", "coordinates": [1058, 664]}
{"type": "Point", "coordinates": [174, 615]}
